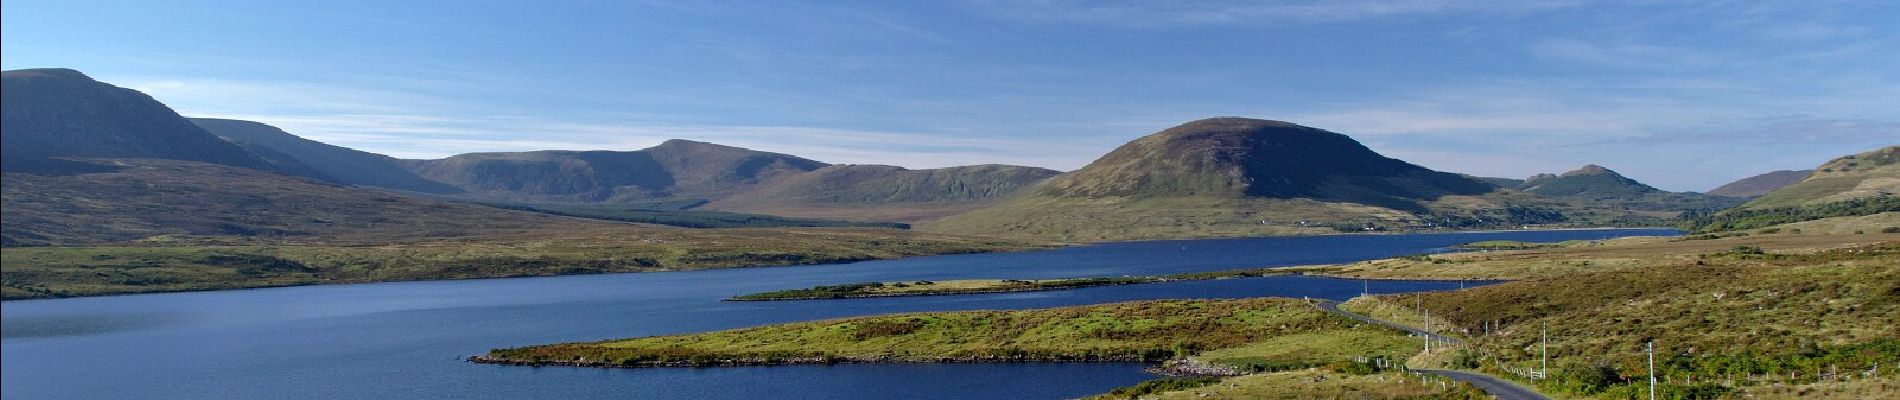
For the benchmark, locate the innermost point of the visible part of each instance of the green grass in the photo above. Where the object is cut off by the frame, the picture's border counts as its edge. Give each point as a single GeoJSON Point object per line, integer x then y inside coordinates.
{"type": "Point", "coordinates": [1747, 316]}
{"type": "Point", "coordinates": [1314, 349]}
{"type": "Point", "coordinates": [1151, 331]}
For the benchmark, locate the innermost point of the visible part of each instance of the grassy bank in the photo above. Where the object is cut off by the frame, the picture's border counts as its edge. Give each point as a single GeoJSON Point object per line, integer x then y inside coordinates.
{"type": "Point", "coordinates": [161, 266]}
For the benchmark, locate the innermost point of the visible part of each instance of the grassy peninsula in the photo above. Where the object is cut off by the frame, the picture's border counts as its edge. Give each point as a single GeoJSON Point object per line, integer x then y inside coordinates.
{"type": "Point", "coordinates": [1135, 331]}
{"type": "Point", "coordinates": [975, 286]}
{"type": "Point", "coordinates": [168, 264]}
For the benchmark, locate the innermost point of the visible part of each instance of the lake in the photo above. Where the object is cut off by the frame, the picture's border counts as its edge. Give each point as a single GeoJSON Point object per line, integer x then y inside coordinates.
{"type": "Point", "coordinates": [404, 340]}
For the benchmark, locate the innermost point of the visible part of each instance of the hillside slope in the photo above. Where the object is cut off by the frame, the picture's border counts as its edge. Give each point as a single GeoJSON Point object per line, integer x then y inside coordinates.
{"type": "Point", "coordinates": [52, 113]}
{"type": "Point", "coordinates": [341, 164]}
{"type": "Point", "coordinates": [1760, 184]}
{"type": "Point", "coordinates": [1870, 174]}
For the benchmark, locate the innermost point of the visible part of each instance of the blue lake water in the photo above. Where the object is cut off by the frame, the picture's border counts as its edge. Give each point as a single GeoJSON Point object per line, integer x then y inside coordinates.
{"type": "Point", "coordinates": [403, 340]}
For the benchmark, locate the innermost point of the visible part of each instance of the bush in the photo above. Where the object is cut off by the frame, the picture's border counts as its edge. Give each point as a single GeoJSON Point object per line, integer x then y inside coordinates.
{"type": "Point", "coordinates": [1159, 386]}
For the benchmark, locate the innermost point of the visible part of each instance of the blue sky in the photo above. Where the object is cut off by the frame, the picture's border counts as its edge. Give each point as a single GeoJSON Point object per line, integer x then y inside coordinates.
{"type": "Point", "coordinates": [1683, 95]}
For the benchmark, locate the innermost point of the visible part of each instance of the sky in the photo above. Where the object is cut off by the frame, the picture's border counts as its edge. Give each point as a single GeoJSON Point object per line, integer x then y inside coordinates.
{"type": "Point", "coordinates": [1683, 95]}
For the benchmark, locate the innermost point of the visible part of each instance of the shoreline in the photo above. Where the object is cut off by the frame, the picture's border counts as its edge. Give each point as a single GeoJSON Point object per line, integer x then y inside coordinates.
{"type": "Point", "coordinates": [814, 360]}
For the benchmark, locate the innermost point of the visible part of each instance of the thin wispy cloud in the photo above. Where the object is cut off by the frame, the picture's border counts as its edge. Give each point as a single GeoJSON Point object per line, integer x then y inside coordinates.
{"type": "Point", "coordinates": [1154, 13]}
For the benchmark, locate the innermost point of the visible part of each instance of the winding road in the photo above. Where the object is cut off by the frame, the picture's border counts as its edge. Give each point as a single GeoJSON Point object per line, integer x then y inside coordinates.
{"type": "Point", "coordinates": [1498, 387]}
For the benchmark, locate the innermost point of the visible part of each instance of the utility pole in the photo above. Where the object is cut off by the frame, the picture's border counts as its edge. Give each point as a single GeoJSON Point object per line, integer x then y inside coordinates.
{"type": "Point", "coordinates": [1652, 369]}
{"type": "Point", "coordinates": [1544, 370]}
{"type": "Point", "coordinates": [1428, 334]}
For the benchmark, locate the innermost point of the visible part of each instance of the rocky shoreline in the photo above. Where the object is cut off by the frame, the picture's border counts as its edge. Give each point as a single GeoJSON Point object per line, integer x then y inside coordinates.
{"type": "Point", "coordinates": [1191, 368]}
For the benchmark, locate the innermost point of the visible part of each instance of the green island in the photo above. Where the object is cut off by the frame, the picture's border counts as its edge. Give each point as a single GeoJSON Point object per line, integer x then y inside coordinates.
{"type": "Point", "coordinates": [976, 286]}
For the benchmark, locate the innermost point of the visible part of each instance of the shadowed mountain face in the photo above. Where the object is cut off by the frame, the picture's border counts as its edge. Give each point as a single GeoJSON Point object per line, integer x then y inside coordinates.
{"type": "Point", "coordinates": [338, 164]}
{"type": "Point", "coordinates": [1871, 174]}
{"type": "Point", "coordinates": [48, 113]}
{"type": "Point", "coordinates": [1239, 157]}
{"type": "Point", "coordinates": [675, 169]}
{"type": "Point", "coordinates": [885, 193]}
{"type": "Point", "coordinates": [1760, 184]}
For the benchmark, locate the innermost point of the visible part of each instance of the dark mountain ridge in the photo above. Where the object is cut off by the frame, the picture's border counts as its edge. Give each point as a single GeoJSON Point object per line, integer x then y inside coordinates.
{"type": "Point", "coordinates": [61, 113]}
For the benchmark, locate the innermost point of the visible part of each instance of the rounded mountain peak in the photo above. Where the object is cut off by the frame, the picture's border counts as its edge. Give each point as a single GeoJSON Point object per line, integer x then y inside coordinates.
{"type": "Point", "coordinates": [1235, 157]}
{"type": "Point", "coordinates": [1591, 169]}
{"type": "Point", "coordinates": [62, 73]}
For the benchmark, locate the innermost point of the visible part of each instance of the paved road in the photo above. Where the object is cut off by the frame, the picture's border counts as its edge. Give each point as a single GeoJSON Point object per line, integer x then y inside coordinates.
{"type": "Point", "coordinates": [1332, 306]}
{"type": "Point", "coordinates": [1503, 389]}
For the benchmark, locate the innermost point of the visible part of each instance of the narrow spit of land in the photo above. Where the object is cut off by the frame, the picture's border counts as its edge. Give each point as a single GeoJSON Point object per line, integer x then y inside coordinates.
{"type": "Point", "coordinates": [975, 286]}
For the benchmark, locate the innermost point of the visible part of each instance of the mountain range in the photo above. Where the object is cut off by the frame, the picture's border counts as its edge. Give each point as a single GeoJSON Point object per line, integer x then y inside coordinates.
{"type": "Point", "coordinates": [1212, 177]}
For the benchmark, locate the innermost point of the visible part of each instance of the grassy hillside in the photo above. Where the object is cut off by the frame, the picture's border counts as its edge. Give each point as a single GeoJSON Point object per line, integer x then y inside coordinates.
{"type": "Point", "coordinates": [1754, 218]}
{"type": "Point", "coordinates": [1871, 174]}
{"type": "Point", "coordinates": [887, 193]}
{"type": "Point", "coordinates": [1741, 321]}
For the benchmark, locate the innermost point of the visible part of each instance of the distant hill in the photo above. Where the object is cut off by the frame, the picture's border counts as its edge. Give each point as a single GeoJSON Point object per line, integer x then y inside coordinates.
{"type": "Point", "coordinates": [1593, 186]}
{"type": "Point", "coordinates": [682, 174]}
{"type": "Point", "coordinates": [1251, 158]}
{"type": "Point", "coordinates": [1760, 184]}
{"type": "Point", "coordinates": [674, 169]}
{"type": "Point", "coordinates": [1238, 176]}
{"type": "Point", "coordinates": [340, 164]}
{"type": "Point", "coordinates": [885, 193]}
{"type": "Point", "coordinates": [1871, 174]}
{"type": "Point", "coordinates": [46, 114]}
{"type": "Point", "coordinates": [1590, 181]}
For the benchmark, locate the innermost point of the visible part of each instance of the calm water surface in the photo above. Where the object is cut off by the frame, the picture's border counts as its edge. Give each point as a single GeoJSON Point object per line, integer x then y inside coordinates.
{"type": "Point", "coordinates": [403, 340]}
